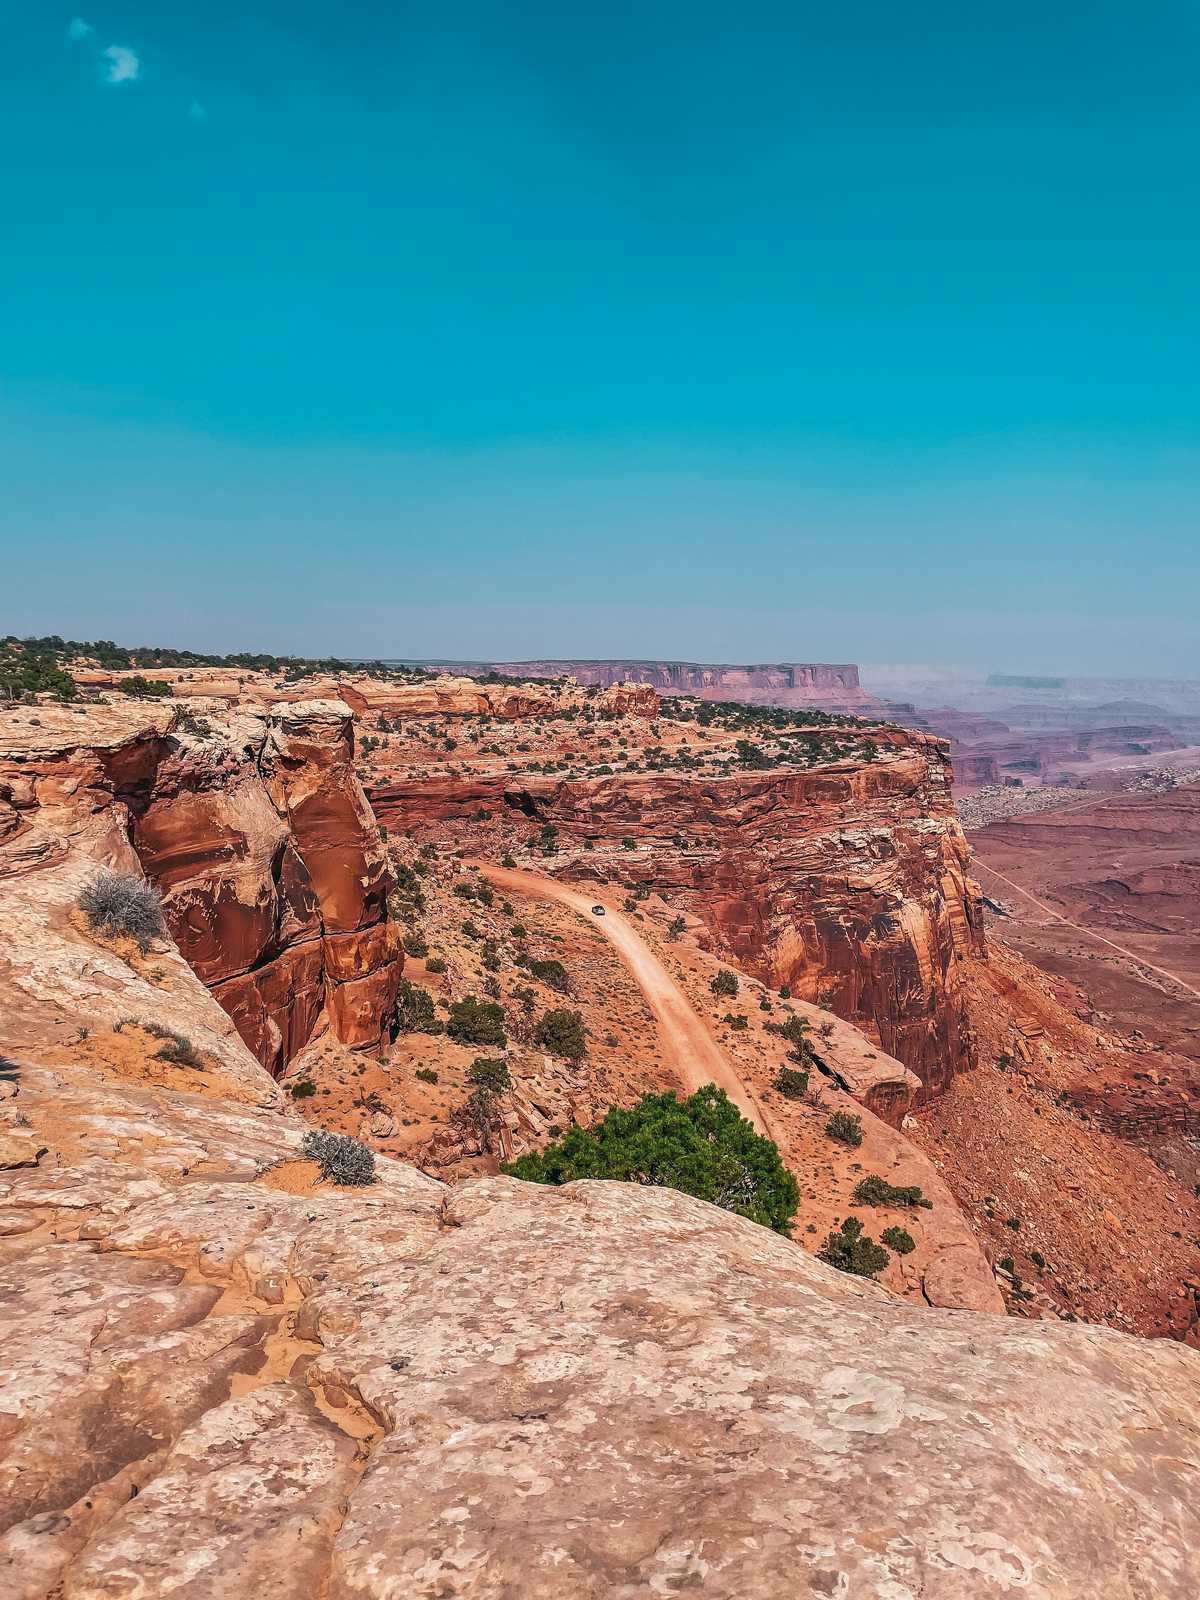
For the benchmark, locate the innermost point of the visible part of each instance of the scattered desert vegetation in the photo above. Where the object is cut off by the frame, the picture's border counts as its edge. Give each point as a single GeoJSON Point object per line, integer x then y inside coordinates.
{"type": "Point", "coordinates": [850, 1249]}
{"type": "Point", "coordinates": [120, 904]}
{"type": "Point", "coordinates": [342, 1160]}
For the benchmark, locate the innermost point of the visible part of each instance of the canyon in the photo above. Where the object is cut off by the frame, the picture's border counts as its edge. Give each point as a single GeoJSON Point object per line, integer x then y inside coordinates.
{"type": "Point", "coordinates": [252, 1375]}
{"type": "Point", "coordinates": [847, 884]}
{"type": "Point", "coordinates": [1105, 891]}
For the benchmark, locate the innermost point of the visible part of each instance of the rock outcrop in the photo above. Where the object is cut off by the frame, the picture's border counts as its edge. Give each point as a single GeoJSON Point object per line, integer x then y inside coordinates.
{"type": "Point", "coordinates": [223, 1376]}
{"type": "Point", "coordinates": [465, 697]}
{"type": "Point", "coordinates": [259, 837]}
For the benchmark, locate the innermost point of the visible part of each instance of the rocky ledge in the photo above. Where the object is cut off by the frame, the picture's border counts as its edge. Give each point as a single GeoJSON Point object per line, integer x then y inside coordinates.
{"type": "Point", "coordinates": [220, 1380]}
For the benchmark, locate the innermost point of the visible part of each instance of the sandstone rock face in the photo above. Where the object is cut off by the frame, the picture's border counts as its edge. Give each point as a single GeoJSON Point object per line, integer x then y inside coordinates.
{"type": "Point", "coordinates": [217, 1387]}
{"type": "Point", "coordinates": [791, 684]}
{"type": "Point", "coordinates": [258, 836]}
{"type": "Point", "coordinates": [467, 697]}
{"type": "Point", "coordinates": [974, 771]}
{"type": "Point", "coordinates": [848, 883]}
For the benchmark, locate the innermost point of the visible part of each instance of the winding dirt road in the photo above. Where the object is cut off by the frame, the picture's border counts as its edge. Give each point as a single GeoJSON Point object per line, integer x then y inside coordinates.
{"type": "Point", "coordinates": [687, 1046]}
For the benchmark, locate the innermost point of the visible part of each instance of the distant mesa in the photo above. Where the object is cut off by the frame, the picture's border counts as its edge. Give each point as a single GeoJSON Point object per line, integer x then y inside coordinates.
{"type": "Point", "coordinates": [792, 685]}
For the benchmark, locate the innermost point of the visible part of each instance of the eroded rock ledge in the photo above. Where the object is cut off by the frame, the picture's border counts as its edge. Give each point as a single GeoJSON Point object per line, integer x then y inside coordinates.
{"type": "Point", "coordinates": [257, 832]}
{"type": "Point", "coordinates": [217, 1388]}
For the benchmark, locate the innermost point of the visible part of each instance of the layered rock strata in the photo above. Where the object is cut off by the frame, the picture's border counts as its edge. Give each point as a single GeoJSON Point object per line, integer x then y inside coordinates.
{"type": "Point", "coordinates": [848, 882]}
{"type": "Point", "coordinates": [257, 833]}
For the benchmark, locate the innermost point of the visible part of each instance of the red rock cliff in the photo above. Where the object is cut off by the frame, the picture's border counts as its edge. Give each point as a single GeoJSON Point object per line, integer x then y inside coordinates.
{"type": "Point", "coordinates": [261, 841]}
{"type": "Point", "coordinates": [848, 882]}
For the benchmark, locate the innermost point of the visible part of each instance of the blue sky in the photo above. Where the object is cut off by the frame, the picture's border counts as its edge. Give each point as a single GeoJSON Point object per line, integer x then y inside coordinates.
{"type": "Point", "coordinates": [856, 332]}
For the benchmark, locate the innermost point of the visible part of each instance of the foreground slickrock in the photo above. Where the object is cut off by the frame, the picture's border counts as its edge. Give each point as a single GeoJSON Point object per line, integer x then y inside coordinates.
{"type": "Point", "coordinates": [215, 1387]}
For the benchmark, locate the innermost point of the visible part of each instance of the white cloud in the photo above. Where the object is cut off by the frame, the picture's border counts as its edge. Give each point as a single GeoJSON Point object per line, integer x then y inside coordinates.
{"type": "Point", "coordinates": [196, 111]}
{"type": "Point", "coordinates": [121, 65]}
{"type": "Point", "coordinates": [77, 28]}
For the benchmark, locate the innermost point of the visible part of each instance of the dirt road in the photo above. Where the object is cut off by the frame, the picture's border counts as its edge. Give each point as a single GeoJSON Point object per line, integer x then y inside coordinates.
{"type": "Point", "coordinates": [1087, 933]}
{"type": "Point", "coordinates": [687, 1046]}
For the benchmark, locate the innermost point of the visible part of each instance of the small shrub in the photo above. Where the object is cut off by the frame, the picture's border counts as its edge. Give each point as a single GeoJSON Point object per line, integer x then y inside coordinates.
{"type": "Point", "coordinates": [628, 844]}
{"type": "Point", "coordinates": [739, 1022]}
{"type": "Point", "coordinates": [508, 859]}
{"type": "Point", "coordinates": [414, 1010]}
{"type": "Point", "coordinates": [490, 1073]}
{"type": "Point", "coordinates": [121, 903]}
{"type": "Point", "coordinates": [791, 1083]}
{"type": "Point", "coordinates": [562, 1034]}
{"type": "Point", "coordinates": [725, 983]}
{"type": "Point", "coordinates": [899, 1240]}
{"type": "Point", "coordinates": [1038, 1260]}
{"type": "Point", "coordinates": [877, 1191]}
{"type": "Point", "coordinates": [340, 1158]}
{"type": "Point", "coordinates": [846, 1129]}
{"type": "Point", "coordinates": [176, 1047]}
{"type": "Point", "coordinates": [415, 945]}
{"type": "Point", "coordinates": [785, 992]}
{"type": "Point", "coordinates": [141, 688]}
{"type": "Point", "coordinates": [475, 1021]}
{"type": "Point", "coordinates": [480, 1116]}
{"type": "Point", "coordinates": [796, 1031]}
{"type": "Point", "coordinates": [849, 1249]}
{"type": "Point", "coordinates": [1013, 1222]}
{"type": "Point", "coordinates": [426, 1074]}
{"type": "Point", "coordinates": [553, 974]}
{"type": "Point", "coordinates": [304, 1089]}
{"type": "Point", "coordinates": [675, 927]}
{"type": "Point", "coordinates": [435, 964]}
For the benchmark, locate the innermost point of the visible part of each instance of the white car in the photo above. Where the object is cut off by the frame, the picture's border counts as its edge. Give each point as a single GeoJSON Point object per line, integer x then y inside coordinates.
{"type": "Point", "coordinates": [597, 911]}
